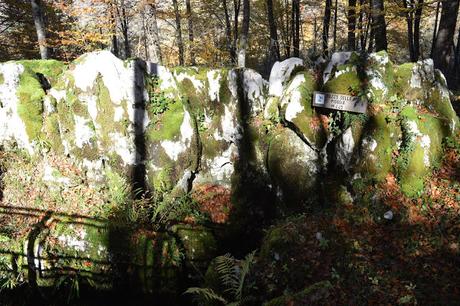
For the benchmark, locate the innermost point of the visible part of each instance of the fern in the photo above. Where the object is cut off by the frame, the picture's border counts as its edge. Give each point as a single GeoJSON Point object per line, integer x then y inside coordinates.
{"type": "Point", "coordinates": [232, 275]}
{"type": "Point", "coordinates": [246, 265]}
{"type": "Point", "coordinates": [228, 272]}
{"type": "Point", "coordinates": [206, 295]}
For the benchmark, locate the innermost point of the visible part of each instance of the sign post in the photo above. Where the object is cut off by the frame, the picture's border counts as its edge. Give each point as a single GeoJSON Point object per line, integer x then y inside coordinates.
{"type": "Point", "coordinates": [339, 102]}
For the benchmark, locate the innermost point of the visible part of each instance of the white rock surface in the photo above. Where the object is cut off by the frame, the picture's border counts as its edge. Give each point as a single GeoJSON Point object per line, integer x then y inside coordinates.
{"type": "Point", "coordinates": [280, 75]}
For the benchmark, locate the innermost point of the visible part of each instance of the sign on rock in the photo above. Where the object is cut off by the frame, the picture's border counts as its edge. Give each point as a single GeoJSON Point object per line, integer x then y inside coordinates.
{"type": "Point", "coordinates": [339, 102]}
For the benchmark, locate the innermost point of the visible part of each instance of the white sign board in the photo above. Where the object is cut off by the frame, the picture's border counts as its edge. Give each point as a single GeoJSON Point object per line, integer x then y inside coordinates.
{"type": "Point", "coordinates": [339, 102]}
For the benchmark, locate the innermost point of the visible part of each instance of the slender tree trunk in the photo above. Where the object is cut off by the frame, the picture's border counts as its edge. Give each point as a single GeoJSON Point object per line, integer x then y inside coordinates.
{"type": "Point", "coordinates": [228, 32]}
{"type": "Point", "coordinates": [379, 25]}
{"type": "Point", "coordinates": [236, 9]}
{"type": "Point", "coordinates": [457, 63]}
{"type": "Point", "coordinates": [274, 45]}
{"type": "Point", "coordinates": [180, 42]}
{"type": "Point", "coordinates": [190, 32]}
{"type": "Point", "coordinates": [335, 27]}
{"type": "Point", "coordinates": [124, 22]}
{"type": "Point", "coordinates": [443, 55]}
{"type": "Point", "coordinates": [361, 25]}
{"type": "Point", "coordinates": [156, 34]}
{"type": "Point", "coordinates": [288, 35]}
{"type": "Point", "coordinates": [435, 30]}
{"type": "Point", "coordinates": [370, 48]}
{"type": "Point", "coordinates": [351, 25]}
{"type": "Point", "coordinates": [296, 27]}
{"type": "Point", "coordinates": [315, 30]}
{"type": "Point", "coordinates": [113, 24]}
{"type": "Point", "coordinates": [417, 21]}
{"type": "Point", "coordinates": [408, 11]}
{"type": "Point", "coordinates": [144, 35]}
{"type": "Point", "coordinates": [243, 41]}
{"type": "Point", "coordinates": [37, 13]}
{"type": "Point", "coordinates": [326, 22]}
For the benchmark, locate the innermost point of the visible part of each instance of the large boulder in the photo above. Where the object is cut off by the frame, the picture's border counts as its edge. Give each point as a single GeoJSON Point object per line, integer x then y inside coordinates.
{"type": "Point", "coordinates": [89, 134]}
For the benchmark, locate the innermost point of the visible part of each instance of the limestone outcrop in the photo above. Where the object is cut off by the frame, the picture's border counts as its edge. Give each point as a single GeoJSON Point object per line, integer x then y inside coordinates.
{"type": "Point", "coordinates": [175, 131]}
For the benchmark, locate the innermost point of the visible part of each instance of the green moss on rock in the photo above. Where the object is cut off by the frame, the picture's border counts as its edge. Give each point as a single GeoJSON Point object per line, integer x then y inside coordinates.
{"type": "Point", "coordinates": [199, 243]}
{"type": "Point", "coordinates": [345, 84]}
{"type": "Point", "coordinates": [294, 168]}
{"type": "Point", "coordinates": [30, 106]}
{"type": "Point", "coordinates": [52, 133]}
{"type": "Point", "coordinates": [421, 149]}
{"type": "Point", "coordinates": [379, 140]}
{"type": "Point", "coordinates": [307, 121]}
{"type": "Point", "coordinates": [167, 125]}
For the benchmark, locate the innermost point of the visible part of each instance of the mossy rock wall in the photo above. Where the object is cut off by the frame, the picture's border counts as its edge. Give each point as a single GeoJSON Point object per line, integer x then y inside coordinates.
{"type": "Point", "coordinates": [192, 121]}
{"type": "Point", "coordinates": [229, 130]}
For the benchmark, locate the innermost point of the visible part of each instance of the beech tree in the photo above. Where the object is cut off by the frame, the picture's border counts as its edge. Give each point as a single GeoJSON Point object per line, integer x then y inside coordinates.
{"type": "Point", "coordinates": [351, 15]}
{"type": "Point", "coordinates": [379, 28]}
{"type": "Point", "coordinates": [444, 48]}
{"type": "Point", "coordinates": [274, 44]}
{"type": "Point", "coordinates": [243, 39]}
{"type": "Point", "coordinates": [190, 32]}
{"type": "Point", "coordinates": [413, 12]}
{"type": "Point", "coordinates": [326, 23]}
{"type": "Point", "coordinates": [296, 27]}
{"type": "Point", "coordinates": [37, 14]}
{"type": "Point", "coordinates": [180, 43]}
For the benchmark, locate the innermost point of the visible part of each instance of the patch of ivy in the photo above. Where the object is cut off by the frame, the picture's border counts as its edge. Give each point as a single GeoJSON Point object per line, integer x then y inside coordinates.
{"type": "Point", "coordinates": [158, 102]}
{"type": "Point", "coordinates": [407, 145]}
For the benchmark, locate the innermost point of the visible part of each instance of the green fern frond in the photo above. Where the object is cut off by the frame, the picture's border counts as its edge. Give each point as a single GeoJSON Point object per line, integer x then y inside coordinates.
{"type": "Point", "coordinates": [228, 273]}
{"type": "Point", "coordinates": [246, 265]}
{"type": "Point", "coordinates": [205, 295]}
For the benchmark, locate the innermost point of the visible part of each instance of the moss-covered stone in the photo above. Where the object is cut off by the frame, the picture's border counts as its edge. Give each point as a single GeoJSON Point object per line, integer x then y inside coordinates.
{"type": "Point", "coordinates": [294, 166]}
{"type": "Point", "coordinates": [378, 142]}
{"type": "Point", "coordinates": [30, 108]}
{"type": "Point", "coordinates": [344, 83]}
{"type": "Point", "coordinates": [199, 243]}
{"type": "Point", "coordinates": [53, 134]}
{"type": "Point", "coordinates": [297, 109]}
{"type": "Point", "coordinates": [167, 125]}
{"type": "Point", "coordinates": [421, 149]}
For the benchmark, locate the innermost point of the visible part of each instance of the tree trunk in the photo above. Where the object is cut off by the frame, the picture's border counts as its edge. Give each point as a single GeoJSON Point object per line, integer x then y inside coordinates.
{"type": "Point", "coordinates": [351, 25]}
{"type": "Point", "coordinates": [287, 34]}
{"type": "Point", "coordinates": [443, 55]}
{"type": "Point", "coordinates": [435, 30]}
{"type": "Point", "coordinates": [370, 48]}
{"type": "Point", "coordinates": [190, 32]}
{"type": "Point", "coordinates": [315, 30]}
{"type": "Point", "coordinates": [417, 21]}
{"type": "Point", "coordinates": [361, 26]}
{"type": "Point", "coordinates": [335, 27]}
{"type": "Point", "coordinates": [326, 22]}
{"type": "Point", "coordinates": [243, 41]}
{"type": "Point", "coordinates": [37, 13]}
{"type": "Point", "coordinates": [156, 35]}
{"type": "Point", "coordinates": [274, 45]}
{"type": "Point", "coordinates": [228, 32]}
{"type": "Point", "coordinates": [457, 63]}
{"type": "Point", "coordinates": [408, 11]}
{"type": "Point", "coordinates": [144, 35]}
{"type": "Point", "coordinates": [124, 28]}
{"type": "Point", "coordinates": [296, 27]}
{"type": "Point", "coordinates": [378, 25]}
{"type": "Point", "coordinates": [236, 9]}
{"type": "Point", "coordinates": [180, 43]}
{"type": "Point", "coordinates": [113, 25]}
